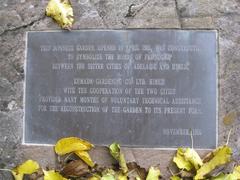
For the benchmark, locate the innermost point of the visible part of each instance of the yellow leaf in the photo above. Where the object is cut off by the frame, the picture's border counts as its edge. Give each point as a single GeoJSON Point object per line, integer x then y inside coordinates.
{"type": "Point", "coordinates": [122, 163]}
{"type": "Point", "coordinates": [52, 175]}
{"type": "Point", "coordinates": [115, 151]}
{"type": "Point", "coordinates": [153, 173]}
{"type": "Point", "coordinates": [221, 156]}
{"type": "Point", "coordinates": [225, 177]}
{"type": "Point", "coordinates": [108, 177]}
{"type": "Point", "coordinates": [85, 157]}
{"type": "Point", "coordinates": [61, 11]}
{"type": "Point", "coordinates": [94, 178]}
{"type": "Point", "coordinates": [180, 160]}
{"type": "Point", "coordinates": [17, 176]}
{"type": "Point", "coordinates": [175, 178]}
{"type": "Point", "coordinates": [236, 172]}
{"type": "Point", "coordinates": [192, 156]}
{"type": "Point", "coordinates": [71, 144]}
{"type": "Point", "coordinates": [121, 176]}
{"type": "Point", "coordinates": [235, 175]}
{"type": "Point", "coordinates": [108, 174]}
{"type": "Point", "coordinates": [220, 177]}
{"type": "Point", "coordinates": [28, 167]}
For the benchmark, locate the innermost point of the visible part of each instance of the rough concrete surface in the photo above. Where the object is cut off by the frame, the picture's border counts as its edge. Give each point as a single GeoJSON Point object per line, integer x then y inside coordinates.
{"type": "Point", "coordinates": [19, 16]}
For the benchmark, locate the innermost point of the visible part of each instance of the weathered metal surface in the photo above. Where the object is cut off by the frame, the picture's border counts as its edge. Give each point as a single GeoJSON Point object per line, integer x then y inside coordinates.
{"type": "Point", "coordinates": [142, 88]}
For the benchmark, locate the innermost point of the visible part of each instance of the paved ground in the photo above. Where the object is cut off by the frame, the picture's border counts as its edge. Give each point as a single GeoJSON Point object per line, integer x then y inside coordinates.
{"type": "Point", "coordinates": [19, 16]}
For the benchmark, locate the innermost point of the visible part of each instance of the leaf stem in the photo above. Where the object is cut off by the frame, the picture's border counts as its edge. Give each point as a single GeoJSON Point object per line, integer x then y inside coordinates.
{"type": "Point", "coordinates": [180, 172]}
{"type": "Point", "coordinates": [191, 134]}
{"type": "Point", "coordinates": [228, 138]}
{"type": "Point", "coordinates": [171, 171]}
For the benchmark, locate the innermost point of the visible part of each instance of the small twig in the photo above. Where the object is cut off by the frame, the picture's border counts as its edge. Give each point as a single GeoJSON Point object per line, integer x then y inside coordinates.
{"type": "Point", "coordinates": [130, 172]}
{"type": "Point", "coordinates": [180, 172]}
{"type": "Point", "coordinates": [171, 171]}
{"type": "Point", "coordinates": [8, 170]}
{"type": "Point", "coordinates": [228, 138]}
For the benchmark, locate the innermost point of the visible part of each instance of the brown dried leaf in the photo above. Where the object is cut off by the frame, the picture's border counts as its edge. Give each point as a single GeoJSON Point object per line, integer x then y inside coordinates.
{"type": "Point", "coordinates": [75, 169]}
{"type": "Point", "coordinates": [186, 174]}
{"type": "Point", "coordinates": [136, 171]}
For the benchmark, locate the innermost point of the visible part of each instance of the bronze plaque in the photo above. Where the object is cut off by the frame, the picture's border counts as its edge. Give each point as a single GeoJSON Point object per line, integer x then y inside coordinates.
{"type": "Point", "coordinates": [141, 88]}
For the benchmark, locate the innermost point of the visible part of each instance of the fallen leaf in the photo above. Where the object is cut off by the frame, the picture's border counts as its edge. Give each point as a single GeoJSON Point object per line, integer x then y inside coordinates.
{"type": "Point", "coordinates": [61, 11]}
{"type": "Point", "coordinates": [85, 157]}
{"type": "Point", "coordinates": [153, 173]}
{"type": "Point", "coordinates": [225, 177]}
{"type": "Point", "coordinates": [122, 163]}
{"type": "Point", "coordinates": [209, 156]}
{"type": "Point", "coordinates": [71, 144]}
{"type": "Point", "coordinates": [221, 155]}
{"type": "Point", "coordinates": [135, 171]}
{"type": "Point", "coordinates": [175, 178]}
{"type": "Point", "coordinates": [94, 178]}
{"type": "Point", "coordinates": [115, 151]}
{"type": "Point", "coordinates": [121, 176]}
{"type": "Point", "coordinates": [235, 175]}
{"type": "Point", "coordinates": [108, 177]}
{"type": "Point", "coordinates": [180, 160]}
{"type": "Point", "coordinates": [221, 169]}
{"type": "Point", "coordinates": [75, 169]}
{"type": "Point", "coordinates": [17, 176]}
{"type": "Point", "coordinates": [108, 174]}
{"type": "Point", "coordinates": [52, 175]}
{"type": "Point", "coordinates": [186, 174]}
{"type": "Point", "coordinates": [230, 118]}
{"type": "Point", "coordinates": [236, 172]}
{"type": "Point", "coordinates": [220, 177]}
{"type": "Point", "coordinates": [192, 156]}
{"type": "Point", "coordinates": [28, 167]}
{"type": "Point", "coordinates": [36, 176]}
